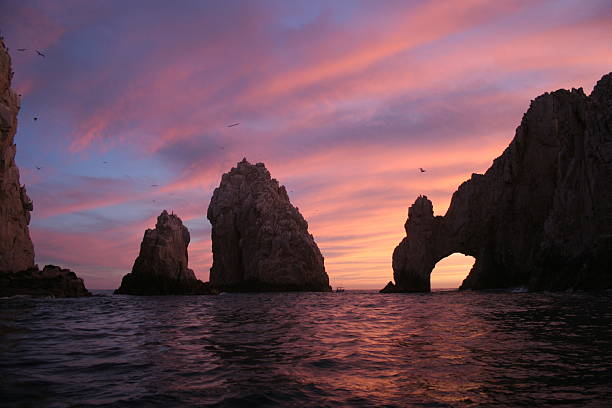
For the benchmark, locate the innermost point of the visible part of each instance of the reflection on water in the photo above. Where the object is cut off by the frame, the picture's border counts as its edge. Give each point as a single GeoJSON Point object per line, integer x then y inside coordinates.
{"type": "Point", "coordinates": [308, 349]}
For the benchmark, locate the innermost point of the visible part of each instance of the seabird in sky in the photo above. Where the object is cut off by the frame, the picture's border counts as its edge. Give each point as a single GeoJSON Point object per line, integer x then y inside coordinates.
{"type": "Point", "coordinates": [233, 124]}
{"type": "Point", "coordinates": [422, 171]}
{"type": "Point", "coordinates": [22, 49]}
{"type": "Point", "coordinates": [40, 53]}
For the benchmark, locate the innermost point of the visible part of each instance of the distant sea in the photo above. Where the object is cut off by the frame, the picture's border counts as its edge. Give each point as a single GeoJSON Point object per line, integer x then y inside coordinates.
{"type": "Point", "coordinates": [443, 349]}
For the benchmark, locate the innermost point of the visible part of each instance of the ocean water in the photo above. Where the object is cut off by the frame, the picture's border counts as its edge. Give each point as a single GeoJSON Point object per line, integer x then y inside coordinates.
{"type": "Point", "coordinates": [444, 349]}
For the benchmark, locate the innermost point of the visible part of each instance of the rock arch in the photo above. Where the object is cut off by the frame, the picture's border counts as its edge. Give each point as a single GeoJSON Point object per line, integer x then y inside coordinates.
{"type": "Point", "coordinates": [541, 215]}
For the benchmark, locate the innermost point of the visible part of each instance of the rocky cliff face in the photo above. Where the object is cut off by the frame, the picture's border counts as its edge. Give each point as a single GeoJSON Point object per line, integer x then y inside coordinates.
{"type": "Point", "coordinates": [161, 267]}
{"type": "Point", "coordinates": [260, 241]}
{"type": "Point", "coordinates": [18, 274]}
{"type": "Point", "coordinates": [16, 250]}
{"type": "Point", "coordinates": [541, 216]}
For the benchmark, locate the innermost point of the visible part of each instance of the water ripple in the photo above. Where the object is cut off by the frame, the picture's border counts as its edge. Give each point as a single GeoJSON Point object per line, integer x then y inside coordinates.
{"type": "Point", "coordinates": [445, 349]}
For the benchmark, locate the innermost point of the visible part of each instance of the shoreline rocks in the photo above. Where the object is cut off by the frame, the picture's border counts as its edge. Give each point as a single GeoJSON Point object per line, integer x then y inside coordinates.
{"type": "Point", "coordinates": [161, 266]}
{"type": "Point", "coordinates": [260, 241]}
{"type": "Point", "coordinates": [541, 215]}
{"type": "Point", "coordinates": [51, 281]}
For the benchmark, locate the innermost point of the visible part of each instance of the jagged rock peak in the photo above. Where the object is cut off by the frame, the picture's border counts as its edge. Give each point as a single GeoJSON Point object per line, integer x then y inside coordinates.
{"type": "Point", "coordinates": [161, 267]}
{"type": "Point", "coordinates": [260, 240]}
{"type": "Point", "coordinates": [16, 249]}
{"type": "Point", "coordinates": [541, 215]}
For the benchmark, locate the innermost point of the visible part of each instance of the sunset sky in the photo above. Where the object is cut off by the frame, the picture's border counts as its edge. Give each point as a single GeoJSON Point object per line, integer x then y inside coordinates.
{"type": "Point", "coordinates": [342, 100]}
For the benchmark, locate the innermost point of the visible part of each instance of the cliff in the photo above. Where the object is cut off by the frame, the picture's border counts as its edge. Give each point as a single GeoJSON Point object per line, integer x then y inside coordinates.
{"type": "Point", "coordinates": [260, 241]}
{"type": "Point", "coordinates": [18, 274]}
{"type": "Point", "coordinates": [541, 215]}
{"type": "Point", "coordinates": [161, 266]}
{"type": "Point", "coordinates": [16, 249]}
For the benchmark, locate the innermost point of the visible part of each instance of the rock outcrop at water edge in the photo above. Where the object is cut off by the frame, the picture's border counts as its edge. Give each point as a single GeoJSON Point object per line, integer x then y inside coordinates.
{"type": "Point", "coordinates": [161, 268]}
{"type": "Point", "coordinates": [540, 216]}
{"type": "Point", "coordinates": [260, 241]}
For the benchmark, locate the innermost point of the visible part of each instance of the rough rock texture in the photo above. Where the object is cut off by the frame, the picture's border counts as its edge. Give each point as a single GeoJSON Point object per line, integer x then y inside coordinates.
{"type": "Point", "coordinates": [540, 217]}
{"type": "Point", "coordinates": [16, 250]}
{"type": "Point", "coordinates": [161, 267]}
{"type": "Point", "coordinates": [52, 281]}
{"type": "Point", "coordinates": [260, 241]}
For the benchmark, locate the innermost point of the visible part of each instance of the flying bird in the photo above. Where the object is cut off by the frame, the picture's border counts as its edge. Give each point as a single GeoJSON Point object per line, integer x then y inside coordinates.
{"type": "Point", "coordinates": [233, 124]}
{"type": "Point", "coordinates": [35, 118]}
{"type": "Point", "coordinates": [40, 53]}
{"type": "Point", "coordinates": [422, 171]}
{"type": "Point", "coordinates": [22, 49]}
{"type": "Point", "coordinates": [154, 185]}
{"type": "Point", "coordinates": [38, 168]}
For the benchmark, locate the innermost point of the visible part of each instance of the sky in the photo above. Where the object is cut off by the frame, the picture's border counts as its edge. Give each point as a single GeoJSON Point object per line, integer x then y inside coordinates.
{"type": "Point", "coordinates": [342, 100]}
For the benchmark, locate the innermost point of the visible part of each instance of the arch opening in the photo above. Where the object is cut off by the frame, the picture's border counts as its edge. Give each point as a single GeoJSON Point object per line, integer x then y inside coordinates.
{"type": "Point", "coordinates": [450, 271]}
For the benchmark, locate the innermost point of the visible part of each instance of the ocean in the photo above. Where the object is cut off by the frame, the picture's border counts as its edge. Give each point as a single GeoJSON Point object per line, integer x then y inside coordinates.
{"type": "Point", "coordinates": [357, 348]}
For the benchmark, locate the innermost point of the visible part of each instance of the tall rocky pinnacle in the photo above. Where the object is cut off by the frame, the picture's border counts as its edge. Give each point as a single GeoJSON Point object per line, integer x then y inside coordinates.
{"type": "Point", "coordinates": [260, 241]}
{"type": "Point", "coordinates": [16, 249]}
{"type": "Point", "coordinates": [541, 215]}
{"type": "Point", "coordinates": [161, 267]}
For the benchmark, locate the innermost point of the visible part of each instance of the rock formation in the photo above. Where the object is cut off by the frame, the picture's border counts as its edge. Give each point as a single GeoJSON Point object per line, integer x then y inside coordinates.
{"type": "Point", "coordinates": [260, 241]}
{"type": "Point", "coordinates": [52, 281]}
{"type": "Point", "coordinates": [541, 215]}
{"type": "Point", "coordinates": [16, 249]}
{"type": "Point", "coordinates": [18, 274]}
{"type": "Point", "coordinates": [161, 267]}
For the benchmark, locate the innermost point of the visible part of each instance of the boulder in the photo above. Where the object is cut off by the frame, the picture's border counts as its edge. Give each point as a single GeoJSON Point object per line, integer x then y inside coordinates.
{"type": "Point", "coordinates": [161, 267]}
{"type": "Point", "coordinates": [260, 241]}
{"type": "Point", "coordinates": [540, 216]}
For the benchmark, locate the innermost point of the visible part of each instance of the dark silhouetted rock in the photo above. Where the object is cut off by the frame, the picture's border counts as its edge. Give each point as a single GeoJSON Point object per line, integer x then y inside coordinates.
{"type": "Point", "coordinates": [161, 267]}
{"type": "Point", "coordinates": [260, 241]}
{"type": "Point", "coordinates": [389, 288]}
{"type": "Point", "coordinates": [16, 249]}
{"type": "Point", "coordinates": [540, 217]}
{"type": "Point", "coordinates": [52, 281]}
{"type": "Point", "coordinates": [18, 274]}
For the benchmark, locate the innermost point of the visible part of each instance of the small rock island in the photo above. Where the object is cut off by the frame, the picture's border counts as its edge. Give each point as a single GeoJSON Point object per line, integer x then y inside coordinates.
{"type": "Point", "coordinates": [541, 215]}
{"type": "Point", "coordinates": [161, 267]}
{"type": "Point", "coordinates": [18, 273]}
{"type": "Point", "coordinates": [260, 241]}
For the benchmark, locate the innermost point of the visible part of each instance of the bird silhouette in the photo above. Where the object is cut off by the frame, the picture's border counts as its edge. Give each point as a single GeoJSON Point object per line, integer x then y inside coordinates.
{"type": "Point", "coordinates": [422, 171]}
{"type": "Point", "coordinates": [40, 53]}
{"type": "Point", "coordinates": [22, 49]}
{"type": "Point", "coordinates": [154, 185]}
{"type": "Point", "coordinates": [35, 118]}
{"type": "Point", "coordinates": [38, 168]}
{"type": "Point", "coordinates": [233, 124]}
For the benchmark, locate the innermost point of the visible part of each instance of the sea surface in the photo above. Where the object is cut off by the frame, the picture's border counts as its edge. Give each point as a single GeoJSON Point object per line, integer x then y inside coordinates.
{"type": "Point", "coordinates": [444, 349]}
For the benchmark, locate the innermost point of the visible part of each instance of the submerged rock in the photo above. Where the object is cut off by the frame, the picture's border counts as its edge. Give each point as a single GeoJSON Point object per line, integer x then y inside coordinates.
{"type": "Point", "coordinates": [18, 274]}
{"type": "Point", "coordinates": [260, 241]}
{"type": "Point", "coordinates": [52, 281]}
{"type": "Point", "coordinates": [161, 267]}
{"type": "Point", "coordinates": [541, 215]}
